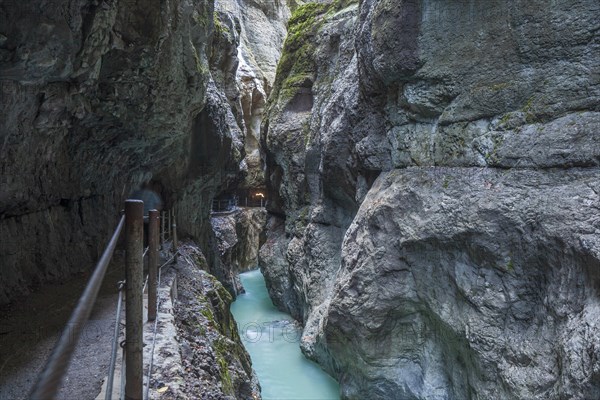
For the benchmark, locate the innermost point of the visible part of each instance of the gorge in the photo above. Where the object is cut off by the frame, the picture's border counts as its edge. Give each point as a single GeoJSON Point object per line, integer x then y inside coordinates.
{"type": "Point", "coordinates": [431, 172]}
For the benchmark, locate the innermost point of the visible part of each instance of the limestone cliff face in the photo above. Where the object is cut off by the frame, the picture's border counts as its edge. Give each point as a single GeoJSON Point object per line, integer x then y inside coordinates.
{"type": "Point", "coordinates": [248, 40]}
{"type": "Point", "coordinates": [433, 172]}
{"type": "Point", "coordinates": [258, 29]}
{"type": "Point", "coordinates": [239, 235]}
{"type": "Point", "coordinates": [97, 98]}
{"type": "Point", "coordinates": [245, 47]}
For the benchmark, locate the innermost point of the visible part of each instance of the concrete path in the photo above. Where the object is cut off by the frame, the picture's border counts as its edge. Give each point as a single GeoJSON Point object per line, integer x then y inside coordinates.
{"type": "Point", "coordinates": [29, 328]}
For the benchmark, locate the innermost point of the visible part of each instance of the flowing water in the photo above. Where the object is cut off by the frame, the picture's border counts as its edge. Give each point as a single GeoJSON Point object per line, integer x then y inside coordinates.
{"type": "Point", "coordinates": [272, 340]}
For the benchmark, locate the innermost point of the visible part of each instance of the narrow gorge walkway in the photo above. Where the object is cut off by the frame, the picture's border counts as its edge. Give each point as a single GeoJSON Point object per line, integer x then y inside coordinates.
{"type": "Point", "coordinates": [30, 327]}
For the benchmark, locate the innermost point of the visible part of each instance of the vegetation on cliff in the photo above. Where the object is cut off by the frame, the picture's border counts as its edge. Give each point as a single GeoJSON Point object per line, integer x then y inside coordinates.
{"type": "Point", "coordinates": [297, 67]}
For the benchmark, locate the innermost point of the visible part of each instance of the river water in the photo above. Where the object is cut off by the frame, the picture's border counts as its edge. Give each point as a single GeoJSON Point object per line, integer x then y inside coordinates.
{"type": "Point", "coordinates": [273, 343]}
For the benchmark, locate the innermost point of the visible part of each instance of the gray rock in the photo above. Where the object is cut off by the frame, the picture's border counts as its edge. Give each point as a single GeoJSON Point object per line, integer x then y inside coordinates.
{"type": "Point", "coordinates": [102, 97]}
{"type": "Point", "coordinates": [239, 237]}
{"type": "Point", "coordinates": [469, 283]}
{"type": "Point", "coordinates": [478, 279]}
{"type": "Point", "coordinates": [214, 360]}
{"type": "Point", "coordinates": [97, 100]}
{"type": "Point", "coordinates": [258, 29]}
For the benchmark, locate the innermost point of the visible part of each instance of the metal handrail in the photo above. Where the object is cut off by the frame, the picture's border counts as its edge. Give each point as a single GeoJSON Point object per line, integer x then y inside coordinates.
{"type": "Point", "coordinates": [52, 374]}
{"type": "Point", "coordinates": [50, 378]}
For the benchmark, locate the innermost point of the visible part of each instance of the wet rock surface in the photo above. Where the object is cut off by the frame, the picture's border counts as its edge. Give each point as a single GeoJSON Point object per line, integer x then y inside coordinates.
{"type": "Point", "coordinates": [468, 282]}
{"type": "Point", "coordinates": [432, 171]}
{"type": "Point", "coordinates": [240, 236]}
{"type": "Point", "coordinates": [252, 32]}
{"type": "Point", "coordinates": [98, 98]}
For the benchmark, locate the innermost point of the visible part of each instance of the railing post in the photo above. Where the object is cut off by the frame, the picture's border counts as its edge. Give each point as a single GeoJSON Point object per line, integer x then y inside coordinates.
{"type": "Point", "coordinates": [153, 224]}
{"type": "Point", "coordinates": [175, 244]}
{"type": "Point", "coordinates": [170, 234]}
{"type": "Point", "coordinates": [134, 262]}
{"type": "Point", "coordinates": [162, 229]}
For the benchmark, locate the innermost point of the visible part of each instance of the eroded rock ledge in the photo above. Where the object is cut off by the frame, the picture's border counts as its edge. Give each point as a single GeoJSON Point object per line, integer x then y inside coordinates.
{"type": "Point", "coordinates": [214, 362]}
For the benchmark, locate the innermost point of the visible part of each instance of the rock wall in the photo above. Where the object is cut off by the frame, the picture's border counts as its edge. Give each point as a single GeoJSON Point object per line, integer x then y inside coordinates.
{"type": "Point", "coordinates": [258, 29]}
{"type": "Point", "coordinates": [214, 361]}
{"type": "Point", "coordinates": [98, 98]}
{"type": "Point", "coordinates": [243, 57]}
{"type": "Point", "coordinates": [240, 236]}
{"type": "Point", "coordinates": [433, 180]}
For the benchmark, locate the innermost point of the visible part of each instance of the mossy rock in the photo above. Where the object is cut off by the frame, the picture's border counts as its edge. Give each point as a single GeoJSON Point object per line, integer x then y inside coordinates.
{"type": "Point", "coordinates": [297, 67]}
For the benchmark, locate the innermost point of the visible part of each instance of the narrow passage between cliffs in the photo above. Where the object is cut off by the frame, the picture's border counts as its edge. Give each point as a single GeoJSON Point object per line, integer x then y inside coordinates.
{"type": "Point", "coordinates": [273, 340]}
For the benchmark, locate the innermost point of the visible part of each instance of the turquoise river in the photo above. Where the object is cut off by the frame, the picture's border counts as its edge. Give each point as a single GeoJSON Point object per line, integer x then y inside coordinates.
{"type": "Point", "coordinates": [273, 343]}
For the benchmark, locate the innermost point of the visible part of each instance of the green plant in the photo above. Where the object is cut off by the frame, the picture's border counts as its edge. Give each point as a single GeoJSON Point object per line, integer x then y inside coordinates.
{"type": "Point", "coordinates": [530, 116]}
{"type": "Point", "coordinates": [446, 182]}
{"type": "Point", "coordinates": [208, 315]}
{"type": "Point", "coordinates": [510, 266]}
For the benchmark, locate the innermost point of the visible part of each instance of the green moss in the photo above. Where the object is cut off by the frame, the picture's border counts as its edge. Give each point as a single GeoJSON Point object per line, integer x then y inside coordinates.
{"type": "Point", "coordinates": [201, 67]}
{"type": "Point", "coordinates": [530, 115]}
{"type": "Point", "coordinates": [225, 296]}
{"type": "Point", "coordinates": [221, 346]}
{"type": "Point", "coordinates": [297, 80]}
{"type": "Point", "coordinates": [201, 328]}
{"type": "Point", "coordinates": [304, 17]}
{"type": "Point", "coordinates": [528, 105]}
{"type": "Point", "coordinates": [208, 314]}
{"type": "Point", "coordinates": [338, 5]}
{"type": "Point", "coordinates": [226, 380]}
{"type": "Point", "coordinates": [492, 156]}
{"type": "Point", "coordinates": [224, 350]}
{"type": "Point", "coordinates": [510, 266]}
{"type": "Point", "coordinates": [504, 120]}
{"type": "Point", "coordinates": [297, 62]}
{"type": "Point", "coordinates": [200, 261]}
{"type": "Point", "coordinates": [220, 28]}
{"type": "Point", "coordinates": [201, 19]}
{"type": "Point", "coordinates": [302, 220]}
{"type": "Point", "coordinates": [499, 86]}
{"type": "Point", "coordinates": [446, 182]}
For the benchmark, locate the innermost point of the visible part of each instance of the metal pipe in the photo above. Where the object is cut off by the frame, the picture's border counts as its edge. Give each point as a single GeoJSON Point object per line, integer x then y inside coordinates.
{"type": "Point", "coordinates": [162, 229]}
{"type": "Point", "coordinates": [115, 345]}
{"type": "Point", "coordinates": [153, 226]}
{"type": "Point", "coordinates": [51, 376]}
{"type": "Point", "coordinates": [123, 362]}
{"type": "Point", "coordinates": [169, 225]}
{"type": "Point", "coordinates": [175, 244]}
{"type": "Point", "coordinates": [134, 263]}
